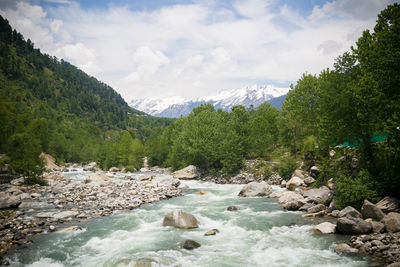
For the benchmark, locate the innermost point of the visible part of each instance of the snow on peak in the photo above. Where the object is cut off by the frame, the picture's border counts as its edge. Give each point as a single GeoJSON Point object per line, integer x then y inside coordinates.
{"type": "Point", "coordinates": [249, 95]}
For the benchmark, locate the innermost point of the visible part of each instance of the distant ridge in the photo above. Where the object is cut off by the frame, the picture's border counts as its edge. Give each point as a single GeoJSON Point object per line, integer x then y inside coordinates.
{"type": "Point", "coordinates": [174, 107]}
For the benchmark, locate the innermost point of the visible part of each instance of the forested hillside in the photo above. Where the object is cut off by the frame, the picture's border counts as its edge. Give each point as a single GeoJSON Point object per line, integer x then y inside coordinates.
{"type": "Point", "coordinates": [49, 105]}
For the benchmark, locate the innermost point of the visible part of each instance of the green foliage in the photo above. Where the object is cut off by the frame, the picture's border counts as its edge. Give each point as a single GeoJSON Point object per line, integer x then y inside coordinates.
{"type": "Point", "coordinates": [353, 191]}
{"type": "Point", "coordinates": [267, 173]}
{"type": "Point", "coordinates": [24, 152]}
{"type": "Point", "coordinates": [286, 167]}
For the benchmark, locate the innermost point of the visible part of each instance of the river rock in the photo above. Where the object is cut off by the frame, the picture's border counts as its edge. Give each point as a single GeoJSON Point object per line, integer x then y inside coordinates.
{"type": "Point", "coordinates": [212, 232]}
{"type": "Point", "coordinates": [325, 228]}
{"type": "Point", "coordinates": [309, 180]}
{"type": "Point", "coordinates": [18, 181]}
{"type": "Point", "coordinates": [64, 214]}
{"type": "Point", "coordinates": [9, 201]}
{"type": "Point", "coordinates": [318, 195]}
{"type": "Point", "coordinates": [190, 172]}
{"type": "Point", "coordinates": [283, 183]}
{"type": "Point", "coordinates": [69, 229]}
{"type": "Point", "coordinates": [146, 177]}
{"type": "Point", "coordinates": [165, 181]}
{"type": "Point", "coordinates": [388, 204]}
{"type": "Point", "coordinates": [343, 248]}
{"type": "Point", "coordinates": [377, 227]}
{"type": "Point", "coordinates": [314, 171]}
{"type": "Point", "coordinates": [232, 208]}
{"type": "Point", "coordinates": [180, 219]}
{"type": "Point", "coordinates": [349, 211]}
{"type": "Point", "coordinates": [300, 174]}
{"type": "Point", "coordinates": [190, 244]}
{"type": "Point", "coordinates": [353, 226]}
{"type": "Point", "coordinates": [291, 200]}
{"type": "Point", "coordinates": [369, 210]}
{"type": "Point", "coordinates": [293, 183]}
{"type": "Point", "coordinates": [316, 208]}
{"type": "Point", "coordinates": [35, 205]}
{"type": "Point", "coordinates": [113, 169]}
{"type": "Point", "coordinates": [255, 189]}
{"type": "Point", "coordinates": [97, 178]}
{"type": "Point", "coordinates": [392, 222]}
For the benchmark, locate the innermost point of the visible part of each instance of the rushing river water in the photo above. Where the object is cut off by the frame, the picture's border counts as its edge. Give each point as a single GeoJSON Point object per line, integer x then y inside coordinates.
{"type": "Point", "coordinates": [260, 233]}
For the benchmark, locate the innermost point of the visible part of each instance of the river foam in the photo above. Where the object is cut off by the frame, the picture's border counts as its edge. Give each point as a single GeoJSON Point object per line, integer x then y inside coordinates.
{"type": "Point", "coordinates": [260, 233]}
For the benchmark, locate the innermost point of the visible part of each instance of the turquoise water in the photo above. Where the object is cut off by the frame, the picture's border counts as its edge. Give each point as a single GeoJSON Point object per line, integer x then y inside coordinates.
{"type": "Point", "coordinates": [260, 233]}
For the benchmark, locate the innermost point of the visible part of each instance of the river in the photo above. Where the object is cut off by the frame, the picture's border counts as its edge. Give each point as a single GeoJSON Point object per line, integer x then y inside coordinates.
{"type": "Point", "coordinates": [260, 233]}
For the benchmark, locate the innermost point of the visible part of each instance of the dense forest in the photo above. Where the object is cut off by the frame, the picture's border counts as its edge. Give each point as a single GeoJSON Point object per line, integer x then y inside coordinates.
{"type": "Point", "coordinates": [49, 105]}
{"type": "Point", "coordinates": [351, 104]}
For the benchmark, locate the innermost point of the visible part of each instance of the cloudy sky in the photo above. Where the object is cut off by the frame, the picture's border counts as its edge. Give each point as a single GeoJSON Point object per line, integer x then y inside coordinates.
{"type": "Point", "coordinates": [193, 48]}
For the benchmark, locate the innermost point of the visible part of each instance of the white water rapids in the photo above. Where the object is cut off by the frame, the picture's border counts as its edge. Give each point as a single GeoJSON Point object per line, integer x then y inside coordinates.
{"type": "Point", "coordinates": [260, 233]}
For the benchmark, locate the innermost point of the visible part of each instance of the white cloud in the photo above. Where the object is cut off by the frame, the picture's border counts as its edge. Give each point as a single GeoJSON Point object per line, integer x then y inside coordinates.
{"type": "Point", "coordinates": [194, 49]}
{"type": "Point", "coordinates": [149, 61]}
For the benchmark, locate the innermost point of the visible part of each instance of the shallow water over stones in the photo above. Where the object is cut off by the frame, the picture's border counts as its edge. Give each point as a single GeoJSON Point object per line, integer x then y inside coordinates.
{"type": "Point", "coordinates": [259, 233]}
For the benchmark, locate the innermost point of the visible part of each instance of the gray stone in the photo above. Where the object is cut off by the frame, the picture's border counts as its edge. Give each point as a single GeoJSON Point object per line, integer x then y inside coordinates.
{"type": "Point", "coordinates": [64, 214]}
{"type": "Point", "coordinates": [316, 208]}
{"type": "Point", "coordinates": [325, 228]}
{"type": "Point", "coordinates": [35, 205]}
{"type": "Point", "coordinates": [353, 226]}
{"type": "Point", "coordinates": [309, 180]}
{"type": "Point", "coordinates": [392, 222]}
{"type": "Point", "coordinates": [18, 181]}
{"type": "Point", "coordinates": [349, 211]}
{"type": "Point", "coordinates": [369, 210]}
{"type": "Point", "coordinates": [343, 248]}
{"type": "Point", "coordinates": [97, 178]}
{"type": "Point", "coordinates": [69, 229]}
{"type": "Point", "coordinates": [232, 208]}
{"type": "Point", "coordinates": [9, 201]}
{"type": "Point", "coordinates": [180, 219]}
{"type": "Point", "coordinates": [190, 244]}
{"type": "Point", "coordinates": [292, 198]}
{"type": "Point", "coordinates": [190, 172]}
{"type": "Point", "coordinates": [212, 232]}
{"type": "Point", "coordinates": [293, 183]}
{"type": "Point", "coordinates": [377, 227]}
{"type": "Point", "coordinates": [254, 189]}
{"type": "Point", "coordinates": [388, 204]}
{"type": "Point", "coordinates": [320, 195]}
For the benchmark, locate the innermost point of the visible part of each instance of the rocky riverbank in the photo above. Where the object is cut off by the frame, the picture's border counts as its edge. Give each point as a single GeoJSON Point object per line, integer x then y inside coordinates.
{"type": "Point", "coordinates": [29, 210]}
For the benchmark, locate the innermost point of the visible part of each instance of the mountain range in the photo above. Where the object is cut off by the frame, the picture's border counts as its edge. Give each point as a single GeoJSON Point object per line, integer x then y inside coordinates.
{"type": "Point", "coordinates": [174, 107]}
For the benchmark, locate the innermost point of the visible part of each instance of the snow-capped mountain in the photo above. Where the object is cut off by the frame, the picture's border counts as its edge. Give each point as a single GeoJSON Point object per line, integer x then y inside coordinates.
{"type": "Point", "coordinates": [174, 107]}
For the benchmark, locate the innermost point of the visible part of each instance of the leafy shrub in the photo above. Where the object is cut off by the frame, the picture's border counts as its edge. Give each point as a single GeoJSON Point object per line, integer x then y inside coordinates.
{"type": "Point", "coordinates": [267, 172]}
{"type": "Point", "coordinates": [130, 168]}
{"type": "Point", "coordinates": [353, 191]}
{"type": "Point", "coordinates": [286, 167]}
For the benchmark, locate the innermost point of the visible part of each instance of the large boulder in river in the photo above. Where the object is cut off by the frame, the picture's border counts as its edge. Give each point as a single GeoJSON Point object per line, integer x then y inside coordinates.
{"type": "Point", "coordinates": [165, 180]}
{"type": "Point", "coordinates": [180, 219]}
{"type": "Point", "coordinates": [325, 228]}
{"type": "Point", "coordinates": [353, 226]}
{"type": "Point", "coordinates": [190, 172]}
{"type": "Point", "coordinates": [388, 204]}
{"type": "Point", "coordinates": [293, 183]}
{"type": "Point", "coordinates": [254, 189]}
{"type": "Point", "coordinates": [190, 244]}
{"type": "Point", "coordinates": [369, 210]}
{"type": "Point", "coordinates": [291, 200]}
{"type": "Point", "coordinates": [392, 222]}
{"type": "Point", "coordinates": [349, 211]}
{"type": "Point", "coordinates": [318, 195]}
{"type": "Point", "coordinates": [97, 178]}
